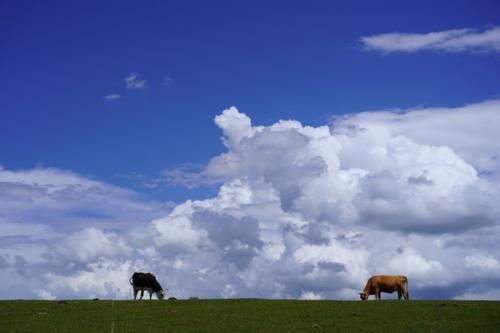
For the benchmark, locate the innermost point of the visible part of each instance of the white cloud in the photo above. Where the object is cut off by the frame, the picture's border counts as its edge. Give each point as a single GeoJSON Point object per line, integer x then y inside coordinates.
{"type": "Point", "coordinates": [482, 262]}
{"type": "Point", "coordinates": [9, 229]}
{"type": "Point", "coordinates": [176, 231]}
{"type": "Point", "coordinates": [456, 40]}
{"type": "Point", "coordinates": [89, 244]}
{"type": "Point", "coordinates": [111, 97]}
{"type": "Point", "coordinates": [102, 278]}
{"type": "Point", "coordinates": [412, 264]}
{"type": "Point", "coordinates": [235, 126]}
{"type": "Point", "coordinates": [188, 175]}
{"type": "Point", "coordinates": [490, 295]}
{"type": "Point", "coordinates": [301, 212]}
{"type": "Point", "coordinates": [134, 81]}
{"type": "Point", "coordinates": [470, 131]}
{"type": "Point", "coordinates": [45, 295]}
{"type": "Point", "coordinates": [50, 196]}
{"type": "Point", "coordinates": [310, 296]}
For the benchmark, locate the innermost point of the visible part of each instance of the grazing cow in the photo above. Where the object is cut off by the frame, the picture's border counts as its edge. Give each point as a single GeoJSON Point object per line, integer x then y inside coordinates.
{"type": "Point", "coordinates": [387, 284]}
{"type": "Point", "coordinates": [146, 281]}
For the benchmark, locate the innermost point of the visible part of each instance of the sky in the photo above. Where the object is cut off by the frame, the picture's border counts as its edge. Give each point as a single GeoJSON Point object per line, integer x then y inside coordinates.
{"type": "Point", "coordinates": [285, 149]}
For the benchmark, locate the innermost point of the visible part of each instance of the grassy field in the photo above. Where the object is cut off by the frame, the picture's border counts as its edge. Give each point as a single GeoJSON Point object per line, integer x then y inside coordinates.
{"type": "Point", "coordinates": [249, 315]}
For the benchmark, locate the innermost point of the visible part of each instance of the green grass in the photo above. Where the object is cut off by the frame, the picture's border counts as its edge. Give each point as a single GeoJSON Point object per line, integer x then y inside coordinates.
{"type": "Point", "coordinates": [248, 315]}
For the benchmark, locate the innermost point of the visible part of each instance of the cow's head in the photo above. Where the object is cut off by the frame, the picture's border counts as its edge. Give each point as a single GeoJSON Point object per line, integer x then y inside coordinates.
{"type": "Point", "coordinates": [160, 294]}
{"type": "Point", "coordinates": [363, 296]}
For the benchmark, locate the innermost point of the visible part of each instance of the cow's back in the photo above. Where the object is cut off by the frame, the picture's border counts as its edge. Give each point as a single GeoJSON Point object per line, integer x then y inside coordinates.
{"type": "Point", "coordinates": [388, 283]}
{"type": "Point", "coordinates": [139, 279]}
{"type": "Point", "coordinates": [402, 278]}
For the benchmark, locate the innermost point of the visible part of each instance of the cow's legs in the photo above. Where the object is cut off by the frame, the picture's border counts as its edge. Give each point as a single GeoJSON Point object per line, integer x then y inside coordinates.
{"type": "Point", "coordinates": [403, 292]}
{"type": "Point", "coordinates": [377, 294]}
{"type": "Point", "coordinates": [135, 293]}
{"type": "Point", "coordinates": [150, 293]}
{"type": "Point", "coordinates": [142, 294]}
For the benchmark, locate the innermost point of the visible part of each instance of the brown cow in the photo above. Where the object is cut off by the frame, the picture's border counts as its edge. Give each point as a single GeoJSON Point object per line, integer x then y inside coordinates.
{"type": "Point", "coordinates": [387, 284]}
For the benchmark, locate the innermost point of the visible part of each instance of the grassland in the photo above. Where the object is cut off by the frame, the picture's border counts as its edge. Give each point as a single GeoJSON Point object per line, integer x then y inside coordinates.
{"type": "Point", "coordinates": [249, 315]}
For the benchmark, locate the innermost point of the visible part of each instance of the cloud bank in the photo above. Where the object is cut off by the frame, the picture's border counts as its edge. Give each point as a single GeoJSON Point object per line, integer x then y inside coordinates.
{"type": "Point", "coordinates": [455, 40]}
{"type": "Point", "coordinates": [302, 212]}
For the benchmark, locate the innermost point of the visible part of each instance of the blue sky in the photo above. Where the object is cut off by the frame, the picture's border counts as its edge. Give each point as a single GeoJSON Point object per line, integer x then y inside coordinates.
{"type": "Point", "coordinates": [294, 60]}
{"type": "Point", "coordinates": [249, 148]}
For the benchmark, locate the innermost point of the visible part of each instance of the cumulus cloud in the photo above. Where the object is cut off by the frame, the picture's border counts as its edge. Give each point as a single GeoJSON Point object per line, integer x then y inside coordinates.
{"type": "Point", "coordinates": [101, 279]}
{"type": "Point", "coordinates": [56, 221]}
{"type": "Point", "coordinates": [470, 131]}
{"type": "Point", "coordinates": [455, 40]}
{"type": "Point", "coordinates": [301, 212]}
{"type": "Point", "coordinates": [89, 244]}
{"type": "Point", "coordinates": [134, 81]}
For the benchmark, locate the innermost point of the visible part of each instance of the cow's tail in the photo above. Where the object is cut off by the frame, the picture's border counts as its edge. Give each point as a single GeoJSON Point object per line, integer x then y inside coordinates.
{"type": "Point", "coordinates": [130, 280]}
{"type": "Point", "coordinates": [406, 288]}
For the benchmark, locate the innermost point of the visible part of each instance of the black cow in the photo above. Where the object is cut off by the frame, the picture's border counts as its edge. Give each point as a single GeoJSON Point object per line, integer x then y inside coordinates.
{"type": "Point", "coordinates": [146, 281]}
